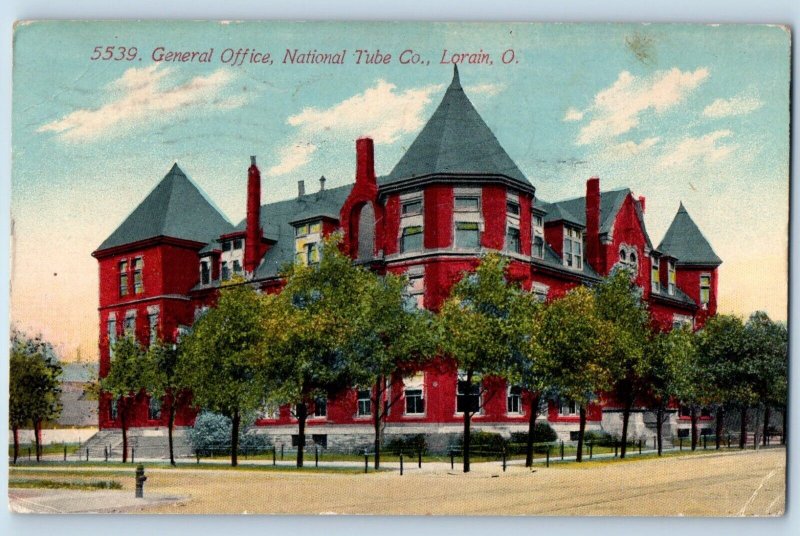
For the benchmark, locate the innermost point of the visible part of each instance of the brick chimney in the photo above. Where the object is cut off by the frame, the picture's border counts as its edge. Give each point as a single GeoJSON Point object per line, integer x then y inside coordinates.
{"type": "Point", "coordinates": [365, 161]}
{"type": "Point", "coordinates": [253, 232]}
{"type": "Point", "coordinates": [641, 203]}
{"type": "Point", "coordinates": [593, 247]}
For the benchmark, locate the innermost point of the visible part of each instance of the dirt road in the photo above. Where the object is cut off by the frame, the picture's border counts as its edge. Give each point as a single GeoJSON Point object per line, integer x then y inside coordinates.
{"type": "Point", "coordinates": [728, 484]}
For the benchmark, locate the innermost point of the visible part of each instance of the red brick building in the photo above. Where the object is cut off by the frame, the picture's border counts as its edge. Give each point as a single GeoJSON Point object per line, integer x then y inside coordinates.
{"type": "Point", "coordinates": [454, 195]}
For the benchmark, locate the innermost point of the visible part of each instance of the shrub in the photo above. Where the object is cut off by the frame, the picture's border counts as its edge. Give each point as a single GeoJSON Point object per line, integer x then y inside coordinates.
{"type": "Point", "coordinates": [543, 433]}
{"type": "Point", "coordinates": [408, 444]}
{"type": "Point", "coordinates": [484, 443]}
{"type": "Point", "coordinates": [211, 434]}
{"type": "Point", "coordinates": [603, 439]}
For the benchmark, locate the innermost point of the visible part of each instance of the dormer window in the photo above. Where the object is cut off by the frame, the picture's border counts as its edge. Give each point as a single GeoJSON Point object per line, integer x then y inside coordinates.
{"type": "Point", "coordinates": [655, 283]}
{"type": "Point", "coordinates": [537, 227]}
{"type": "Point", "coordinates": [205, 272]}
{"type": "Point", "coordinates": [226, 246]}
{"type": "Point", "coordinates": [308, 242]}
{"type": "Point", "coordinates": [671, 278]}
{"type": "Point", "coordinates": [237, 243]}
{"type": "Point", "coordinates": [629, 259]}
{"type": "Point", "coordinates": [573, 248]}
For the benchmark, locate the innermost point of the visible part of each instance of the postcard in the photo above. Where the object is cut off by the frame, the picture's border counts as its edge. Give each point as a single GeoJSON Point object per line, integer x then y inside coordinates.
{"type": "Point", "coordinates": [450, 268]}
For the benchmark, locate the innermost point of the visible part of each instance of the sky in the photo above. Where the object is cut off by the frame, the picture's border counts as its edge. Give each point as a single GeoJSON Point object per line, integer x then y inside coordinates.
{"type": "Point", "coordinates": [678, 113]}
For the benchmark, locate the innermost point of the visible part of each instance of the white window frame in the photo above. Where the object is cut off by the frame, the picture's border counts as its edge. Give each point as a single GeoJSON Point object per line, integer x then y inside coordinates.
{"type": "Point", "coordinates": [572, 408]}
{"type": "Point", "coordinates": [517, 396]}
{"type": "Point", "coordinates": [540, 291]}
{"type": "Point", "coordinates": [706, 287]}
{"type": "Point", "coordinates": [130, 315]}
{"type": "Point", "coordinates": [362, 401]}
{"type": "Point", "coordinates": [413, 292]}
{"type": "Point", "coordinates": [537, 232]}
{"type": "Point", "coordinates": [672, 277]}
{"type": "Point", "coordinates": [655, 270]}
{"type": "Point", "coordinates": [574, 237]}
{"type": "Point", "coordinates": [467, 215]}
{"type": "Point", "coordinates": [317, 414]}
{"type": "Point", "coordinates": [270, 412]}
{"type": "Point", "coordinates": [111, 332]}
{"type": "Point", "coordinates": [625, 253]}
{"type": "Point", "coordinates": [153, 311]}
{"type": "Point", "coordinates": [415, 382]}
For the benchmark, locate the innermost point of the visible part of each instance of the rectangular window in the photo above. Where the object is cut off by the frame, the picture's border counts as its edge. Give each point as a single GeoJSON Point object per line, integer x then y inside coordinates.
{"type": "Point", "coordinates": [468, 397]}
{"type": "Point", "coordinates": [416, 291]}
{"type": "Point", "coordinates": [301, 230]}
{"type": "Point", "coordinates": [111, 325]}
{"type": "Point", "coordinates": [154, 409]}
{"type": "Point", "coordinates": [413, 391]}
{"type": "Point", "coordinates": [538, 247]}
{"type": "Point", "coordinates": [237, 267]}
{"type": "Point", "coordinates": [152, 321]}
{"type": "Point", "coordinates": [671, 278]}
{"type": "Point", "coordinates": [573, 435]}
{"type": "Point", "coordinates": [573, 248]}
{"type": "Point", "coordinates": [540, 292]}
{"type": "Point", "coordinates": [270, 411]}
{"type": "Point", "coordinates": [568, 407]}
{"type": "Point", "coordinates": [705, 289]}
{"type": "Point", "coordinates": [320, 407]}
{"type": "Point", "coordinates": [466, 204]}
{"type": "Point", "coordinates": [226, 246]}
{"type": "Point", "coordinates": [655, 282]}
{"type": "Point", "coordinates": [411, 239]}
{"type": "Point", "coordinates": [512, 240]}
{"type": "Point", "coordinates": [226, 273]}
{"type": "Point", "coordinates": [538, 222]}
{"type": "Point", "coordinates": [512, 207]}
{"type": "Point", "coordinates": [237, 243]}
{"type": "Point", "coordinates": [683, 432]}
{"type": "Point", "coordinates": [123, 278]}
{"type": "Point", "coordinates": [205, 273]}
{"type": "Point", "coordinates": [112, 410]}
{"type": "Point", "coordinates": [314, 228]}
{"type": "Point", "coordinates": [138, 282]}
{"type": "Point", "coordinates": [514, 400]}
{"type": "Point", "coordinates": [364, 403]}
{"type": "Point", "coordinates": [130, 323]}
{"type": "Point", "coordinates": [467, 235]}
{"type": "Point", "coordinates": [320, 440]}
{"type": "Point", "coordinates": [412, 207]}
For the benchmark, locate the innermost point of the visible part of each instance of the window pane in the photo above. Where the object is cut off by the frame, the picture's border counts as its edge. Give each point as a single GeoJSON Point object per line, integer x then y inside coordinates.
{"type": "Point", "coordinates": [512, 208]}
{"type": "Point", "coordinates": [512, 240]}
{"type": "Point", "coordinates": [412, 207]}
{"type": "Point", "coordinates": [226, 246]}
{"type": "Point", "coordinates": [411, 239]}
{"type": "Point", "coordinates": [467, 235]}
{"type": "Point", "coordinates": [538, 247]}
{"type": "Point", "coordinates": [237, 244]}
{"type": "Point", "coordinates": [467, 203]}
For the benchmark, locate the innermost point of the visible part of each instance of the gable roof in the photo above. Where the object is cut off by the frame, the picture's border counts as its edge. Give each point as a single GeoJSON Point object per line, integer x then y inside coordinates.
{"type": "Point", "coordinates": [175, 208]}
{"type": "Point", "coordinates": [455, 141]}
{"type": "Point", "coordinates": [686, 243]}
{"type": "Point", "coordinates": [276, 221]}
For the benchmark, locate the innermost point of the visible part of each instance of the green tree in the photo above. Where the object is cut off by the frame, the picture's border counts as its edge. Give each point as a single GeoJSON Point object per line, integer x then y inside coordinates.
{"type": "Point", "coordinates": [126, 379]}
{"type": "Point", "coordinates": [530, 368]}
{"type": "Point", "coordinates": [669, 358]}
{"type": "Point", "coordinates": [392, 335]}
{"type": "Point", "coordinates": [723, 376]}
{"type": "Point", "coordinates": [315, 321]}
{"type": "Point", "coordinates": [619, 302]}
{"type": "Point", "coordinates": [581, 344]}
{"type": "Point", "coordinates": [165, 382]}
{"type": "Point", "coordinates": [766, 346]}
{"type": "Point", "coordinates": [219, 358]}
{"type": "Point", "coordinates": [475, 333]}
{"type": "Point", "coordinates": [34, 386]}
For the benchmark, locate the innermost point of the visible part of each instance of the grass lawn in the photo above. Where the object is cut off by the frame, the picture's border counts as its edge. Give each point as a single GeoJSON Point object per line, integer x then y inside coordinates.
{"type": "Point", "coordinates": [52, 448]}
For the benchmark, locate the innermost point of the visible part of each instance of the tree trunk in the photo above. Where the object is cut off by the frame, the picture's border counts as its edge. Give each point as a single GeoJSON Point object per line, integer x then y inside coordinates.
{"type": "Point", "coordinates": [467, 422]}
{"type": "Point", "coordinates": [659, 424]}
{"type": "Point", "coordinates": [743, 429]}
{"type": "Point", "coordinates": [235, 439]}
{"type": "Point", "coordinates": [377, 422]}
{"type": "Point", "coordinates": [766, 424]}
{"type": "Point", "coordinates": [16, 443]}
{"type": "Point", "coordinates": [37, 428]}
{"type": "Point", "coordinates": [170, 426]}
{"type": "Point", "coordinates": [581, 429]}
{"type": "Point", "coordinates": [302, 415]}
{"type": "Point", "coordinates": [693, 417]}
{"type": "Point", "coordinates": [720, 425]}
{"type": "Point", "coordinates": [123, 421]}
{"type": "Point", "coordinates": [531, 430]}
{"type": "Point", "coordinates": [783, 431]}
{"type": "Point", "coordinates": [626, 417]}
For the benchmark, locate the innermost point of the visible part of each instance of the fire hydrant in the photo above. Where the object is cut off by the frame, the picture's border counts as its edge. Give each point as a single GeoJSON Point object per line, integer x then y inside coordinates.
{"type": "Point", "coordinates": [140, 478]}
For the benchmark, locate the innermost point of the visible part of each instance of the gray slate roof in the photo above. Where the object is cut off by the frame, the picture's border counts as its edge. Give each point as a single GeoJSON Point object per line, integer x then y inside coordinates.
{"type": "Point", "coordinates": [275, 218]}
{"type": "Point", "coordinates": [175, 208]}
{"type": "Point", "coordinates": [685, 242]}
{"type": "Point", "coordinates": [455, 141]}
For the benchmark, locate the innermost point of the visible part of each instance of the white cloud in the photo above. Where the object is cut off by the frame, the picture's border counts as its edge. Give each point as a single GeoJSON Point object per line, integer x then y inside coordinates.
{"type": "Point", "coordinates": [705, 149]}
{"type": "Point", "coordinates": [630, 148]}
{"type": "Point", "coordinates": [738, 105]}
{"type": "Point", "coordinates": [487, 89]}
{"type": "Point", "coordinates": [140, 96]}
{"type": "Point", "coordinates": [573, 114]}
{"type": "Point", "coordinates": [364, 114]}
{"type": "Point", "coordinates": [617, 109]}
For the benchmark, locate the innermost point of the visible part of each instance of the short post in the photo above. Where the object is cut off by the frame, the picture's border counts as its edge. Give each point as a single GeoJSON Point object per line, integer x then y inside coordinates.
{"type": "Point", "coordinates": [655, 446]}
{"type": "Point", "coordinates": [105, 453]}
{"type": "Point", "coordinates": [366, 461]}
{"type": "Point", "coordinates": [562, 450]}
{"type": "Point", "coordinates": [65, 452]}
{"type": "Point", "coordinates": [197, 453]}
{"type": "Point", "coordinates": [755, 441]}
{"type": "Point", "coordinates": [29, 454]}
{"type": "Point", "coordinates": [640, 446]}
{"type": "Point", "coordinates": [419, 458]}
{"type": "Point", "coordinates": [729, 440]}
{"type": "Point", "coordinates": [547, 460]}
{"type": "Point", "coordinates": [680, 441]}
{"type": "Point", "coordinates": [615, 448]}
{"type": "Point", "coordinates": [316, 456]}
{"type": "Point", "coordinates": [504, 460]}
{"type": "Point", "coordinates": [452, 459]}
{"type": "Point", "coordinates": [87, 454]}
{"type": "Point", "coordinates": [273, 455]}
{"type": "Point", "coordinates": [281, 451]}
{"type": "Point", "coordinates": [591, 449]}
{"type": "Point", "coordinates": [705, 441]}
{"type": "Point", "coordinates": [133, 454]}
{"type": "Point", "coordinates": [401, 463]}
{"type": "Point", "coordinates": [140, 478]}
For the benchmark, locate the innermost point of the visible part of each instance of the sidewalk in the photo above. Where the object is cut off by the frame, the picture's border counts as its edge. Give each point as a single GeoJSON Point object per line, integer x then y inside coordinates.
{"type": "Point", "coordinates": [54, 501]}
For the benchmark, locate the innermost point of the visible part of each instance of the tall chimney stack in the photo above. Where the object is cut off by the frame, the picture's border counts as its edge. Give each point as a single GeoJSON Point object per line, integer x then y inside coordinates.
{"type": "Point", "coordinates": [322, 183]}
{"type": "Point", "coordinates": [301, 188]}
{"type": "Point", "coordinates": [593, 246]}
{"type": "Point", "coordinates": [641, 203]}
{"type": "Point", "coordinates": [365, 161]}
{"type": "Point", "coordinates": [253, 232]}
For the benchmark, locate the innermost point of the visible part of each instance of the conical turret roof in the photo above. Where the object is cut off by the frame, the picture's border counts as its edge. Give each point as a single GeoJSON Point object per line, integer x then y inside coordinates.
{"type": "Point", "coordinates": [685, 242]}
{"type": "Point", "coordinates": [455, 141]}
{"type": "Point", "coordinates": [175, 208]}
